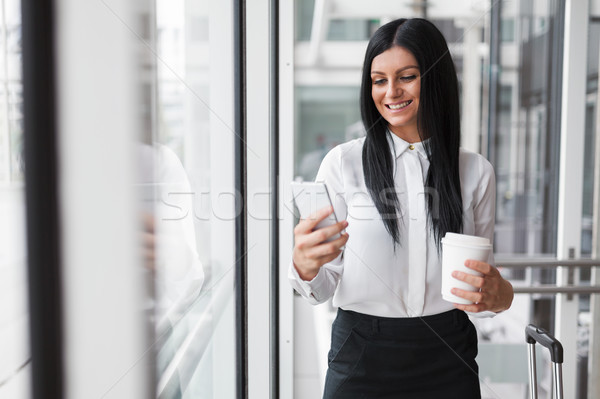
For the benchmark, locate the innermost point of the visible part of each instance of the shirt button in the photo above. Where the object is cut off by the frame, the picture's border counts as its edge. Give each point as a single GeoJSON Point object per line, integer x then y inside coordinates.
{"type": "Point", "coordinates": [411, 147]}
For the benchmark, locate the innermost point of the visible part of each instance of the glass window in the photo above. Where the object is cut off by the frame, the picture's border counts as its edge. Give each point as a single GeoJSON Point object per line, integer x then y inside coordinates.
{"type": "Point", "coordinates": [351, 29]}
{"type": "Point", "coordinates": [585, 320]}
{"type": "Point", "coordinates": [304, 15]}
{"type": "Point", "coordinates": [187, 163]}
{"type": "Point", "coordinates": [591, 116]}
{"type": "Point", "coordinates": [525, 140]}
{"type": "Point", "coordinates": [522, 145]}
{"type": "Point", "coordinates": [327, 116]}
{"type": "Point", "coordinates": [507, 30]}
{"type": "Point", "coordinates": [14, 313]}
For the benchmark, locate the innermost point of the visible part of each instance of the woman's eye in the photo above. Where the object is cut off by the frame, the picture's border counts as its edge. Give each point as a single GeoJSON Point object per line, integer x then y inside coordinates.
{"type": "Point", "coordinates": [407, 78]}
{"type": "Point", "coordinates": [379, 81]}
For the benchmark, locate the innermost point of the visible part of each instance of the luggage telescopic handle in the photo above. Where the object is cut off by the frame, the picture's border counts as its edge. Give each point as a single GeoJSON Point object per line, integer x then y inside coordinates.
{"type": "Point", "coordinates": [535, 334]}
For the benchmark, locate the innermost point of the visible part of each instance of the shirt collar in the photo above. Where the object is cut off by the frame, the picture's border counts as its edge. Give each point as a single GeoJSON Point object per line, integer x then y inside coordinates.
{"type": "Point", "coordinates": [399, 146]}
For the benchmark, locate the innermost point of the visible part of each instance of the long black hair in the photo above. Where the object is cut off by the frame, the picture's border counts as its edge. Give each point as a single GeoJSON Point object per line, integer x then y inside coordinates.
{"type": "Point", "coordinates": [438, 123]}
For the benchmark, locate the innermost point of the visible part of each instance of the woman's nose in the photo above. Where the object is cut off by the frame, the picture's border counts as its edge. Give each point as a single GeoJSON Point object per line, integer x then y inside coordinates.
{"type": "Point", "coordinates": [394, 89]}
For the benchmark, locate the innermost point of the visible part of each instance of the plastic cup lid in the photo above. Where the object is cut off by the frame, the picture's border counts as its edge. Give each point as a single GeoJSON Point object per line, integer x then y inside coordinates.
{"type": "Point", "coordinates": [464, 239]}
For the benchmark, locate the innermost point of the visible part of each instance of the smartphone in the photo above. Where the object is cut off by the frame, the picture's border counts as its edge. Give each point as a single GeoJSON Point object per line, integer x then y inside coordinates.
{"type": "Point", "coordinates": [309, 197]}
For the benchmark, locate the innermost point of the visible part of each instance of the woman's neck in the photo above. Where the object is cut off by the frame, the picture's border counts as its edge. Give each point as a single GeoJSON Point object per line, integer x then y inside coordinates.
{"type": "Point", "coordinates": [408, 135]}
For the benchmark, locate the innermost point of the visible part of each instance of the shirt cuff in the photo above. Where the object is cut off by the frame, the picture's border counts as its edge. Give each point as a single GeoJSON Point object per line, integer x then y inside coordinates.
{"type": "Point", "coordinates": [482, 315]}
{"type": "Point", "coordinates": [312, 287]}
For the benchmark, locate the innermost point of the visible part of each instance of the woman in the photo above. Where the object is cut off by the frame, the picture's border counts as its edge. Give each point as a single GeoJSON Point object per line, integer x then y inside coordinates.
{"type": "Point", "coordinates": [397, 192]}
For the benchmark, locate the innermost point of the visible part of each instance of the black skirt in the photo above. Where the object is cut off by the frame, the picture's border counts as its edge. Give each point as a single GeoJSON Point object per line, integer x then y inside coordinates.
{"type": "Point", "coordinates": [421, 357]}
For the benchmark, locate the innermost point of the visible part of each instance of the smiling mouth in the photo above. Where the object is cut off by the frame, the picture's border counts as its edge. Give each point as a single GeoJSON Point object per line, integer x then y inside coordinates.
{"type": "Point", "coordinates": [399, 105]}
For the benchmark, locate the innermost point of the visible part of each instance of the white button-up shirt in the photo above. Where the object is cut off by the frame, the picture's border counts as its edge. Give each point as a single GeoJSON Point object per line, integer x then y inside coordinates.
{"type": "Point", "coordinates": [369, 276]}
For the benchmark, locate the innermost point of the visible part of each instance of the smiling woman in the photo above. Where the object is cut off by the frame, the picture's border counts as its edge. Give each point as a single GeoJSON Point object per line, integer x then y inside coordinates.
{"type": "Point", "coordinates": [398, 51]}
{"type": "Point", "coordinates": [384, 272]}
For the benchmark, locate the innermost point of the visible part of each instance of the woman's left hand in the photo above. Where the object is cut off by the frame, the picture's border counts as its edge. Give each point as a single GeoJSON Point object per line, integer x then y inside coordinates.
{"type": "Point", "coordinates": [495, 293]}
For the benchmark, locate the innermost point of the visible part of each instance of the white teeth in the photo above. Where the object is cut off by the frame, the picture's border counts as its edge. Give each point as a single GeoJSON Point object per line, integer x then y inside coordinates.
{"type": "Point", "coordinates": [398, 106]}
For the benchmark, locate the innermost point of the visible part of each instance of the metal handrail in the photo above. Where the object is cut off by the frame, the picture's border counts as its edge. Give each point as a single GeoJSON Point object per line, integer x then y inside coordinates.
{"type": "Point", "coordinates": [557, 289]}
{"type": "Point", "coordinates": [524, 263]}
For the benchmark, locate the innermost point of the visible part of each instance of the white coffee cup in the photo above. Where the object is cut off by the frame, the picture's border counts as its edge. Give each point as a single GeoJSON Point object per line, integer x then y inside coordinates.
{"type": "Point", "coordinates": [456, 249]}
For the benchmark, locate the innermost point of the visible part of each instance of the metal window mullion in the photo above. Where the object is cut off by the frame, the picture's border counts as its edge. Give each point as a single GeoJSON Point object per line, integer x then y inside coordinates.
{"type": "Point", "coordinates": [41, 176]}
{"type": "Point", "coordinates": [260, 195]}
{"type": "Point", "coordinates": [572, 141]}
{"type": "Point", "coordinates": [274, 177]}
{"type": "Point", "coordinates": [552, 156]}
{"type": "Point", "coordinates": [494, 79]}
{"type": "Point", "coordinates": [285, 157]}
{"type": "Point", "coordinates": [594, 341]}
{"type": "Point", "coordinates": [241, 319]}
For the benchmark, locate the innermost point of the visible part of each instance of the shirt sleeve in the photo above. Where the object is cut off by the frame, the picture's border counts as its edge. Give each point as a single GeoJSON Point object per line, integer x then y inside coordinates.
{"type": "Point", "coordinates": [484, 213]}
{"type": "Point", "coordinates": [323, 285]}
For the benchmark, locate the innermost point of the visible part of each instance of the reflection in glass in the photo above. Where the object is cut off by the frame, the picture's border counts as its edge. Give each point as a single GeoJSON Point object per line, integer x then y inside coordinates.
{"type": "Point", "coordinates": [184, 228]}
{"type": "Point", "coordinates": [14, 317]}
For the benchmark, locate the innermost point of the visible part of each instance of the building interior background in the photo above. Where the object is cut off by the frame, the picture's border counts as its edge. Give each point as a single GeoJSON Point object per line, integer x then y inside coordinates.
{"type": "Point", "coordinates": [147, 104]}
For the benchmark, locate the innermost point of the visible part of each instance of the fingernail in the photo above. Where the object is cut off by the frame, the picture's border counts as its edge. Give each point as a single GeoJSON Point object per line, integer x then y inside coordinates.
{"type": "Point", "coordinates": [455, 274]}
{"type": "Point", "coordinates": [345, 223]}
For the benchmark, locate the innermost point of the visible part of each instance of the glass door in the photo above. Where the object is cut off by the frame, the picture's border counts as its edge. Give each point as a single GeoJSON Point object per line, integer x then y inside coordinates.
{"type": "Point", "coordinates": [15, 368]}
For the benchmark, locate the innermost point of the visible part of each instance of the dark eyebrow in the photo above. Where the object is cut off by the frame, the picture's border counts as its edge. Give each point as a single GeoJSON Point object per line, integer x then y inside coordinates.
{"type": "Point", "coordinates": [397, 72]}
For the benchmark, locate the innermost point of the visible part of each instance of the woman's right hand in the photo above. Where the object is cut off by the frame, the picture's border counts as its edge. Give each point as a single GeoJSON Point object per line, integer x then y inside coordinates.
{"type": "Point", "coordinates": [310, 250]}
